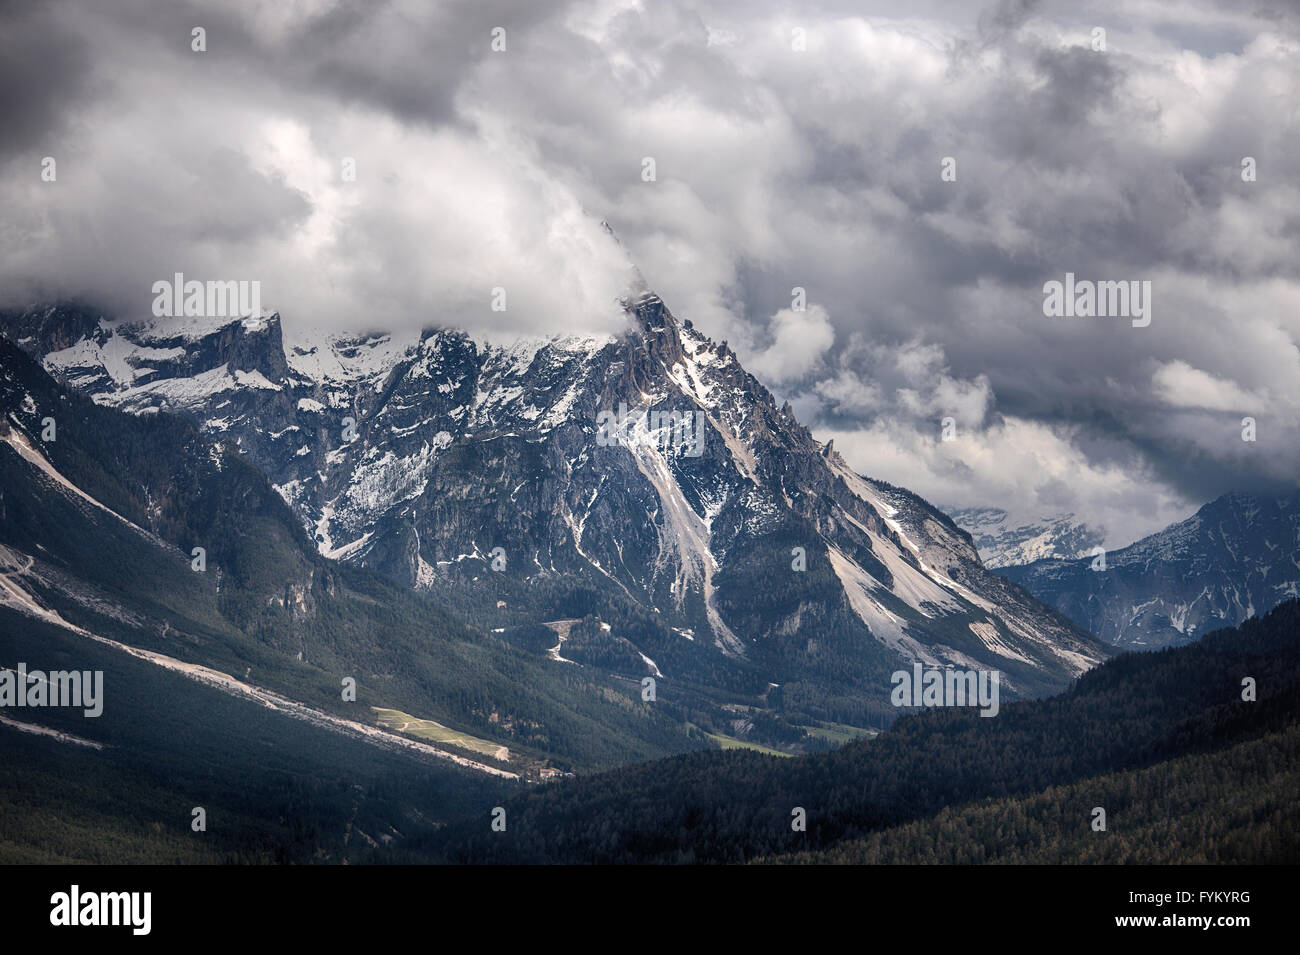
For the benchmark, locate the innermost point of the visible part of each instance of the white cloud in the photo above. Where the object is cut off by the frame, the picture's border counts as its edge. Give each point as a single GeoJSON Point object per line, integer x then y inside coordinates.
{"type": "Point", "coordinates": [1027, 468]}
{"type": "Point", "coordinates": [1179, 384]}
{"type": "Point", "coordinates": [799, 341]}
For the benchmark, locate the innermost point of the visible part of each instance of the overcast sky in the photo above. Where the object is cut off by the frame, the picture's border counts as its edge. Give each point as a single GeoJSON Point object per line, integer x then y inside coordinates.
{"type": "Point", "coordinates": [793, 145]}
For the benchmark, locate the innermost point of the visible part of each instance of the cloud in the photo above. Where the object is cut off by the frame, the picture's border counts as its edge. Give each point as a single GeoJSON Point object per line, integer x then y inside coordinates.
{"type": "Point", "coordinates": [777, 165]}
{"type": "Point", "coordinates": [1179, 385]}
{"type": "Point", "coordinates": [799, 340]}
{"type": "Point", "coordinates": [43, 67]}
{"type": "Point", "coordinates": [1031, 469]}
{"type": "Point", "coordinates": [174, 171]}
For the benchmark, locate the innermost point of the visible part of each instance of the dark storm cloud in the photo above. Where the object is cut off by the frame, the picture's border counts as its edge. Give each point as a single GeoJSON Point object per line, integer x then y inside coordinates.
{"type": "Point", "coordinates": [777, 166]}
{"type": "Point", "coordinates": [44, 69]}
{"type": "Point", "coordinates": [406, 59]}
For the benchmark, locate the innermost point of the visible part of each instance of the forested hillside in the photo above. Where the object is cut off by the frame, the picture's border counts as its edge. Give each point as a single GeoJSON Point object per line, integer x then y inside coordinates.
{"type": "Point", "coordinates": [1133, 712]}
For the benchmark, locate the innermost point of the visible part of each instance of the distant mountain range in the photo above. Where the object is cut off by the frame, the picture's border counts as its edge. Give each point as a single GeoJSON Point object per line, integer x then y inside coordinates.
{"type": "Point", "coordinates": [1237, 557]}
{"type": "Point", "coordinates": [1003, 541]}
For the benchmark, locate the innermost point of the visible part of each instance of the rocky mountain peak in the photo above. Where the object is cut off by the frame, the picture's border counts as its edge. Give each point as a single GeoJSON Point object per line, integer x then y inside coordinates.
{"type": "Point", "coordinates": [483, 474]}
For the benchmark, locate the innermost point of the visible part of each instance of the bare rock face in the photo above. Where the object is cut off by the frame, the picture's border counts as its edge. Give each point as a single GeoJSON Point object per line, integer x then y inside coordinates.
{"type": "Point", "coordinates": [1237, 557]}
{"type": "Point", "coordinates": [646, 478]}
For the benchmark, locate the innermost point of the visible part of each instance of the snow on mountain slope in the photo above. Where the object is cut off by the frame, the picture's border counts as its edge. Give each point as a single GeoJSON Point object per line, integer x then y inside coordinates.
{"type": "Point", "coordinates": [1238, 556]}
{"type": "Point", "coordinates": [420, 456]}
{"type": "Point", "coordinates": [1003, 540]}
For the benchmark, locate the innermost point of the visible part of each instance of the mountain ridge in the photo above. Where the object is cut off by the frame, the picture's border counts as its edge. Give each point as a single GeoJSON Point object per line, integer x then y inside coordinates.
{"type": "Point", "coordinates": [1004, 541]}
{"type": "Point", "coordinates": [139, 533]}
{"type": "Point", "coordinates": [1238, 556]}
{"type": "Point", "coordinates": [421, 456]}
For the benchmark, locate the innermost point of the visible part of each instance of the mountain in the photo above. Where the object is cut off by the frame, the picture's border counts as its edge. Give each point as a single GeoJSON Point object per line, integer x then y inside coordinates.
{"type": "Point", "coordinates": [1003, 541]}
{"type": "Point", "coordinates": [937, 783]}
{"type": "Point", "coordinates": [101, 513]}
{"type": "Point", "coordinates": [231, 671]}
{"type": "Point", "coordinates": [726, 553]}
{"type": "Point", "coordinates": [1237, 557]}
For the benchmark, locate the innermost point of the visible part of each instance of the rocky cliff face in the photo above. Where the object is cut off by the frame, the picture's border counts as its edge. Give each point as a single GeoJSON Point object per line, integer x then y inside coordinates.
{"type": "Point", "coordinates": [1237, 557]}
{"type": "Point", "coordinates": [510, 483]}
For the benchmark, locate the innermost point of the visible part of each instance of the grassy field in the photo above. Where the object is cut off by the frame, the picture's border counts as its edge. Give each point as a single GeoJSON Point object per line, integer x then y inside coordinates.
{"type": "Point", "coordinates": [728, 742]}
{"type": "Point", "coordinates": [437, 733]}
{"type": "Point", "coordinates": [839, 732]}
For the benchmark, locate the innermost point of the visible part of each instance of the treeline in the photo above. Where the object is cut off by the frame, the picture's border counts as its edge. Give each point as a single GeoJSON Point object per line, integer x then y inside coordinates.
{"type": "Point", "coordinates": [1234, 806]}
